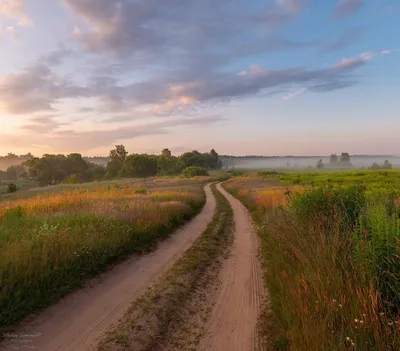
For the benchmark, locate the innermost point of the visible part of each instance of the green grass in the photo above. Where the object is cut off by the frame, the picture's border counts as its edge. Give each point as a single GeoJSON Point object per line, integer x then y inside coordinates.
{"type": "Point", "coordinates": [332, 258]}
{"type": "Point", "coordinates": [373, 179]}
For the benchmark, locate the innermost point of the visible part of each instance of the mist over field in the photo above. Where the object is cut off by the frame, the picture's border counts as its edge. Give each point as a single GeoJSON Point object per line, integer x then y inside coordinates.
{"type": "Point", "coordinates": [306, 162]}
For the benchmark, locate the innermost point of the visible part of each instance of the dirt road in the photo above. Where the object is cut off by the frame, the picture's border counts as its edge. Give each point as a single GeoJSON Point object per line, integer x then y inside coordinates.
{"type": "Point", "coordinates": [237, 303]}
{"type": "Point", "coordinates": [78, 321]}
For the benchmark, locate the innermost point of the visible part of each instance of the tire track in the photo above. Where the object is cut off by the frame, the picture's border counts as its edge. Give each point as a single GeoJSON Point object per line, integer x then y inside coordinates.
{"type": "Point", "coordinates": [237, 306]}
{"type": "Point", "coordinates": [78, 321]}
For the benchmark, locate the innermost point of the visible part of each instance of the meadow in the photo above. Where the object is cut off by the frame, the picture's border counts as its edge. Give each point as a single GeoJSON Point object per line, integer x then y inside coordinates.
{"type": "Point", "coordinates": [331, 252]}
{"type": "Point", "coordinates": [52, 239]}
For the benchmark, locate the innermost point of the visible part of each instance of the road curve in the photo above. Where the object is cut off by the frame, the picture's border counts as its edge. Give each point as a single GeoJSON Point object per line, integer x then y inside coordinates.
{"type": "Point", "coordinates": [78, 321]}
{"type": "Point", "coordinates": [237, 304]}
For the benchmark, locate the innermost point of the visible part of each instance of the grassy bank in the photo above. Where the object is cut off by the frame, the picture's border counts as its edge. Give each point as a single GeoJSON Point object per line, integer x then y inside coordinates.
{"type": "Point", "coordinates": [50, 243]}
{"type": "Point", "coordinates": [332, 262]}
{"type": "Point", "coordinates": [159, 318]}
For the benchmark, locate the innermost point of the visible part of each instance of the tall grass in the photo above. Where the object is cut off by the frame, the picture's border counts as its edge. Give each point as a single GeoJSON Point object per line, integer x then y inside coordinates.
{"type": "Point", "coordinates": [332, 258]}
{"type": "Point", "coordinates": [50, 243]}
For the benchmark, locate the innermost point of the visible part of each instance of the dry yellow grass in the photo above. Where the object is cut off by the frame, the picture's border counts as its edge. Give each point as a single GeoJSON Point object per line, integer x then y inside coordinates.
{"type": "Point", "coordinates": [50, 243]}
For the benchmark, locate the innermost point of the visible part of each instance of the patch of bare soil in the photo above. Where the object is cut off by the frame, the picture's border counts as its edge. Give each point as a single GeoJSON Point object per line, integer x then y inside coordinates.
{"type": "Point", "coordinates": [240, 296]}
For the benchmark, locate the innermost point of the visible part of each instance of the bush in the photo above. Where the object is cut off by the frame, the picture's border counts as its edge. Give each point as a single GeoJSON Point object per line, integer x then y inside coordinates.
{"type": "Point", "coordinates": [267, 173]}
{"type": "Point", "coordinates": [142, 191]}
{"type": "Point", "coordinates": [12, 188]}
{"type": "Point", "coordinates": [194, 171]}
{"type": "Point", "coordinates": [73, 179]}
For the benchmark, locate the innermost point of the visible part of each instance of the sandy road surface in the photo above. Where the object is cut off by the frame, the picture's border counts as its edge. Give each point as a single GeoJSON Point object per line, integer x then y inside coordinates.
{"type": "Point", "coordinates": [237, 303]}
{"type": "Point", "coordinates": [79, 320]}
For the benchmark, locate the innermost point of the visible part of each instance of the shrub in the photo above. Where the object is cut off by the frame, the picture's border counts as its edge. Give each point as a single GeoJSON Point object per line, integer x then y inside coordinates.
{"type": "Point", "coordinates": [12, 188]}
{"type": "Point", "coordinates": [140, 191]}
{"type": "Point", "coordinates": [73, 179]}
{"type": "Point", "coordinates": [194, 171]}
{"type": "Point", "coordinates": [267, 173]}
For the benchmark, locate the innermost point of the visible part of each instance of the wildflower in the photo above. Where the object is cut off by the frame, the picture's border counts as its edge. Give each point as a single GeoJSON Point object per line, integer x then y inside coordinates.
{"type": "Point", "coordinates": [361, 321]}
{"type": "Point", "coordinates": [381, 313]}
{"type": "Point", "coordinates": [347, 338]}
{"type": "Point", "coordinates": [353, 344]}
{"type": "Point", "coordinates": [356, 320]}
{"type": "Point", "coordinates": [340, 305]}
{"type": "Point", "coordinates": [334, 301]}
{"type": "Point", "coordinates": [390, 323]}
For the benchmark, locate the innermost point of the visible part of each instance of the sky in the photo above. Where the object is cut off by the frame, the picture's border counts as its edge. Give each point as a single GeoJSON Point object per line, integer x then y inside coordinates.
{"type": "Point", "coordinates": [246, 77]}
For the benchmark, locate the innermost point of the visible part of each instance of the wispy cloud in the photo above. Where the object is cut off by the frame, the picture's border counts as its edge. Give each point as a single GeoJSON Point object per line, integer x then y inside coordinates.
{"type": "Point", "coordinates": [292, 5]}
{"type": "Point", "coordinates": [69, 140]}
{"type": "Point", "coordinates": [347, 8]}
{"type": "Point", "coordinates": [349, 37]}
{"type": "Point", "coordinates": [15, 9]}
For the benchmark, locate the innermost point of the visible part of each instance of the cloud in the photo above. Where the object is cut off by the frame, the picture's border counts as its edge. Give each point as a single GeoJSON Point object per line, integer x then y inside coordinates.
{"type": "Point", "coordinates": [15, 9]}
{"type": "Point", "coordinates": [56, 57]}
{"type": "Point", "coordinates": [330, 86]}
{"type": "Point", "coordinates": [70, 141]}
{"type": "Point", "coordinates": [292, 5]}
{"type": "Point", "coordinates": [43, 124]}
{"type": "Point", "coordinates": [349, 63]}
{"type": "Point", "coordinates": [34, 89]}
{"type": "Point", "coordinates": [295, 93]}
{"type": "Point", "coordinates": [347, 8]}
{"type": "Point", "coordinates": [349, 37]}
{"type": "Point", "coordinates": [174, 31]}
{"type": "Point", "coordinates": [38, 88]}
{"type": "Point", "coordinates": [354, 62]}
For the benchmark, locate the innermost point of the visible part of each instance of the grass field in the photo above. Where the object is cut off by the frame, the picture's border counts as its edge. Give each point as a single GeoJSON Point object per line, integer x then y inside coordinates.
{"type": "Point", "coordinates": [52, 239]}
{"type": "Point", "coordinates": [331, 251]}
{"type": "Point", "coordinates": [372, 179]}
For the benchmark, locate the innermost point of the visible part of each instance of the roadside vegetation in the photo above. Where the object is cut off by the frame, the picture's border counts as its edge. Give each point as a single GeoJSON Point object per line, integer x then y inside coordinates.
{"type": "Point", "coordinates": [331, 252]}
{"type": "Point", "coordinates": [171, 315]}
{"type": "Point", "coordinates": [50, 242]}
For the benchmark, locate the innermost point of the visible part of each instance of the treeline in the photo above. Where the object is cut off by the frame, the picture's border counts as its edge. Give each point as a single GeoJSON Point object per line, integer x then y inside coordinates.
{"type": "Point", "coordinates": [73, 168]}
{"type": "Point", "coordinates": [13, 160]}
{"type": "Point", "coordinates": [143, 165]}
{"type": "Point", "coordinates": [343, 161]}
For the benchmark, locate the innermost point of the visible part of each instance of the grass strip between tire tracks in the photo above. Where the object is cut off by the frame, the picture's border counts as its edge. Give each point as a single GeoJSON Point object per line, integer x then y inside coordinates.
{"type": "Point", "coordinates": [161, 312]}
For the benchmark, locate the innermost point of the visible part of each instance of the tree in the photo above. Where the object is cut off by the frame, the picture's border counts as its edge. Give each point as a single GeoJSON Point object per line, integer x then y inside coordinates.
{"type": "Point", "coordinates": [212, 160]}
{"type": "Point", "coordinates": [387, 165]}
{"type": "Point", "coordinates": [166, 153]}
{"type": "Point", "coordinates": [118, 157]}
{"type": "Point", "coordinates": [54, 169]}
{"type": "Point", "coordinates": [167, 165]}
{"type": "Point", "coordinates": [375, 166]}
{"type": "Point", "coordinates": [345, 157]}
{"type": "Point", "coordinates": [193, 158]}
{"type": "Point", "coordinates": [333, 159]}
{"type": "Point", "coordinates": [140, 166]}
{"type": "Point", "coordinates": [320, 164]}
{"type": "Point", "coordinates": [119, 153]}
{"type": "Point", "coordinates": [48, 170]}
